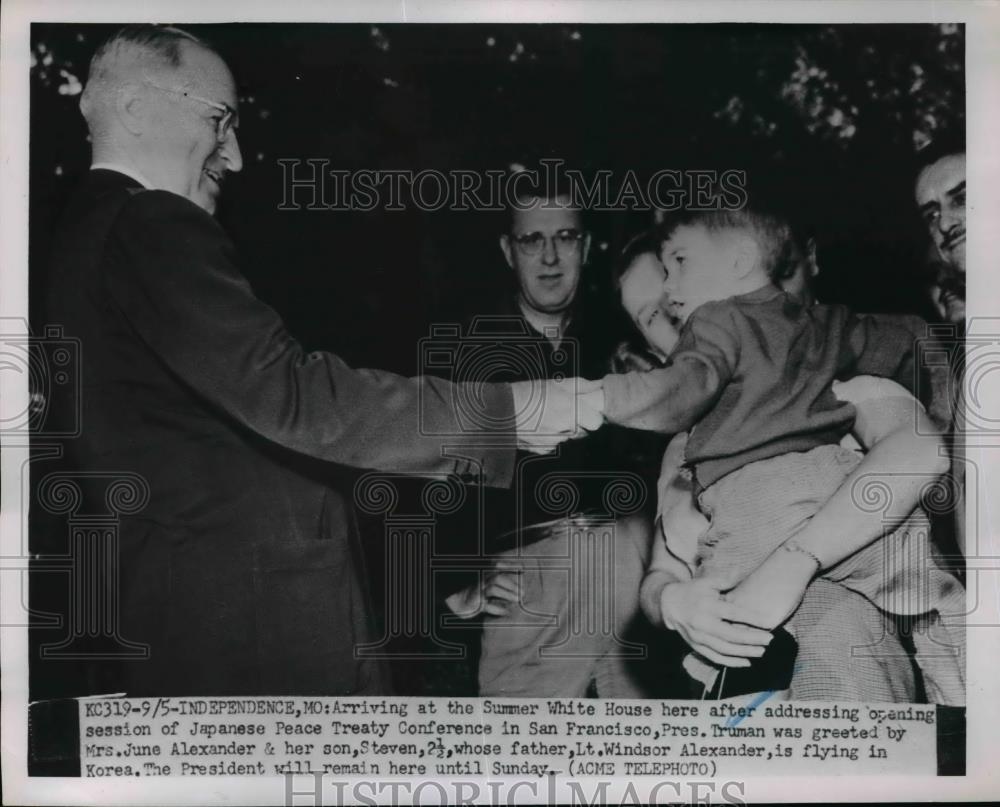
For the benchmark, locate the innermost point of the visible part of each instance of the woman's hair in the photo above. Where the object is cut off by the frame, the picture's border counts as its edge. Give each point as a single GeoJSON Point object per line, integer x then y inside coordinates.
{"type": "Point", "coordinates": [647, 241]}
{"type": "Point", "coordinates": [633, 352]}
{"type": "Point", "coordinates": [629, 356]}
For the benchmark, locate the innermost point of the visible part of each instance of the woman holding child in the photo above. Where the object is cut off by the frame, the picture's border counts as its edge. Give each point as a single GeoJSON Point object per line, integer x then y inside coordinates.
{"type": "Point", "coordinates": [741, 366]}
{"type": "Point", "coordinates": [786, 536]}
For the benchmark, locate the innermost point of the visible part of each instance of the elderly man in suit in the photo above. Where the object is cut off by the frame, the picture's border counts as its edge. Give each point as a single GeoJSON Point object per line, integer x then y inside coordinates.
{"type": "Point", "coordinates": [241, 573]}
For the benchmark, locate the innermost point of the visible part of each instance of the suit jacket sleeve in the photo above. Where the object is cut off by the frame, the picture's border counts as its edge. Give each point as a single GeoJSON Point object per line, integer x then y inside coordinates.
{"type": "Point", "coordinates": [883, 345]}
{"type": "Point", "coordinates": [171, 272]}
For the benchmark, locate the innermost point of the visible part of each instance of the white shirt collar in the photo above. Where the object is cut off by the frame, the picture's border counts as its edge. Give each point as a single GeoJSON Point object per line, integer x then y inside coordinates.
{"type": "Point", "coordinates": [121, 169]}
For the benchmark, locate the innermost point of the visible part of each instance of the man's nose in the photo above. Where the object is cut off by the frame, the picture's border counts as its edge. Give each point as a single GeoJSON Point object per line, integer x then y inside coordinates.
{"type": "Point", "coordinates": [230, 151]}
{"type": "Point", "coordinates": [948, 220]}
{"type": "Point", "coordinates": [669, 282]}
{"type": "Point", "coordinates": [550, 255]}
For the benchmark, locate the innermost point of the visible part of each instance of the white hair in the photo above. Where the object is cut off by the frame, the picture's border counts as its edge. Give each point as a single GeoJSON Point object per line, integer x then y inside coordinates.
{"type": "Point", "coordinates": [126, 52]}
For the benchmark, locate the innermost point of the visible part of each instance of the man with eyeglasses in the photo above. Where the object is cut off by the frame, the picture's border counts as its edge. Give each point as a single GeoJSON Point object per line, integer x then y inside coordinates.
{"type": "Point", "coordinates": [546, 248]}
{"type": "Point", "coordinates": [240, 572]}
{"type": "Point", "coordinates": [168, 123]}
{"type": "Point", "coordinates": [550, 630]}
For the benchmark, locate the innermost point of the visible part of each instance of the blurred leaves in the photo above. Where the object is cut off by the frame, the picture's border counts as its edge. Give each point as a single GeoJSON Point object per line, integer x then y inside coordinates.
{"type": "Point", "coordinates": [52, 72]}
{"type": "Point", "coordinates": [767, 83]}
{"type": "Point", "coordinates": [817, 111]}
{"type": "Point", "coordinates": [906, 81]}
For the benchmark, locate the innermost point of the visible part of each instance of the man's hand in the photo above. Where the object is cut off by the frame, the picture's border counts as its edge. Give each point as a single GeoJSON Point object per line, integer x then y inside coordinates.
{"type": "Point", "coordinates": [550, 412]}
{"type": "Point", "coordinates": [493, 594]}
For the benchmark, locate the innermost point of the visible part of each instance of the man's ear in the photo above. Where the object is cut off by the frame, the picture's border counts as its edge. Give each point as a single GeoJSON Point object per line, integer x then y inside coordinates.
{"type": "Point", "coordinates": [934, 292]}
{"type": "Point", "coordinates": [132, 107]}
{"type": "Point", "coordinates": [505, 247]}
{"type": "Point", "coordinates": [586, 248]}
{"type": "Point", "coordinates": [811, 254]}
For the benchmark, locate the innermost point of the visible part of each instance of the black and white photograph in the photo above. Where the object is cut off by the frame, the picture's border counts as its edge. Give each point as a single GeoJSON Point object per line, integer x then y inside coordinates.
{"type": "Point", "coordinates": [576, 398]}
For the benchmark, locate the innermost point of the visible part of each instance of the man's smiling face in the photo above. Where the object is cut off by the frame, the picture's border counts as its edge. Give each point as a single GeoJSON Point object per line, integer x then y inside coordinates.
{"type": "Point", "coordinates": [187, 106]}
{"type": "Point", "coordinates": [940, 193]}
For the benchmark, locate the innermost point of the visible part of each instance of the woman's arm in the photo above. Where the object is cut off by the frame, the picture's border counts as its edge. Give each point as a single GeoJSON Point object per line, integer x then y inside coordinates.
{"type": "Point", "coordinates": [906, 452]}
{"type": "Point", "coordinates": [695, 609]}
{"type": "Point", "coordinates": [670, 598]}
{"type": "Point", "coordinates": [664, 569]}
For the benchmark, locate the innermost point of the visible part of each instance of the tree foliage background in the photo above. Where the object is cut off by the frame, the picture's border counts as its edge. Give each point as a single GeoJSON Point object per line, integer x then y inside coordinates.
{"type": "Point", "coordinates": [827, 117]}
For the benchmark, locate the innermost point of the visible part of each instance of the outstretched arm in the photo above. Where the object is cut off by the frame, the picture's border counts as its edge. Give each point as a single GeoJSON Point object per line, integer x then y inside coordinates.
{"type": "Point", "coordinates": [673, 398]}
{"type": "Point", "coordinates": [172, 273]}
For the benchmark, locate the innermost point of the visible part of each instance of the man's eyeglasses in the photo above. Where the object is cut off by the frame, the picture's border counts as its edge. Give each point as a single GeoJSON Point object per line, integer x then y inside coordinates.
{"type": "Point", "coordinates": [565, 242]}
{"type": "Point", "coordinates": [223, 124]}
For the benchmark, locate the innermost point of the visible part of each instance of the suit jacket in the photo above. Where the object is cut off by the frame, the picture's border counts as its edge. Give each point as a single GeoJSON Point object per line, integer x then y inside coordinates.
{"type": "Point", "coordinates": [241, 572]}
{"type": "Point", "coordinates": [586, 463]}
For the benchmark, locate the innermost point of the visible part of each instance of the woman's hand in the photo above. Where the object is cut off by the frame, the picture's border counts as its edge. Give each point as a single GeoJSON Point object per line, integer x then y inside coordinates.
{"type": "Point", "coordinates": [697, 611]}
{"type": "Point", "coordinates": [773, 591]}
{"type": "Point", "coordinates": [493, 595]}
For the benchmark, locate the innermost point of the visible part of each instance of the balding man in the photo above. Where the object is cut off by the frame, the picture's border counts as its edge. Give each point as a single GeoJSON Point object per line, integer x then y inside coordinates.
{"type": "Point", "coordinates": [240, 573]}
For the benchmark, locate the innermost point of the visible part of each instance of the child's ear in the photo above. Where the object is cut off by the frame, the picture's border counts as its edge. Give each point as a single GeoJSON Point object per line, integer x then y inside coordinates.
{"type": "Point", "coordinates": [811, 255]}
{"type": "Point", "coordinates": [747, 255]}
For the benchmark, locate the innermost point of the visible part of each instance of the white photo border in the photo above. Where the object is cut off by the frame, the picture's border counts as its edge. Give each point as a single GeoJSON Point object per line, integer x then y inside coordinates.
{"type": "Point", "coordinates": [983, 122]}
